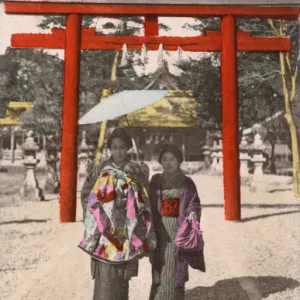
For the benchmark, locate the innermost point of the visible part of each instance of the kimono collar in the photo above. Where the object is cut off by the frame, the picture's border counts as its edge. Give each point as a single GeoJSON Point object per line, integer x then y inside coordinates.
{"type": "Point", "coordinates": [114, 165]}
{"type": "Point", "coordinates": [174, 181]}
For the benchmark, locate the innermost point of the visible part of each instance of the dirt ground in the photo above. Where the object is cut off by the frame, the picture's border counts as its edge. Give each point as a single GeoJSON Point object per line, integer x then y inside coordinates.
{"type": "Point", "coordinates": [255, 258]}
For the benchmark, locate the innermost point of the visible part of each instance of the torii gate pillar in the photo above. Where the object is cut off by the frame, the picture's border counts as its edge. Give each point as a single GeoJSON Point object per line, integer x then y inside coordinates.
{"type": "Point", "coordinates": [229, 83]}
{"type": "Point", "coordinates": [68, 175]}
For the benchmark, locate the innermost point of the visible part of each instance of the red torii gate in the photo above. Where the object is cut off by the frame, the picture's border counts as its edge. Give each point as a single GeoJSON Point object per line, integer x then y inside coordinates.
{"type": "Point", "coordinates": [74, 39]}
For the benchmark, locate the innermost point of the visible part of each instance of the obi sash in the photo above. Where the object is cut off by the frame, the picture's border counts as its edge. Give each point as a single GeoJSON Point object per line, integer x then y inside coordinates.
{"type": "Point", "coordinates": [170, 207]}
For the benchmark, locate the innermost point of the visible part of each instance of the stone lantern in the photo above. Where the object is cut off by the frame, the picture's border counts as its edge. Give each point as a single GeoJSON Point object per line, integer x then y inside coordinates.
{"type": "Point", "coordinates": [244, 157]}
{"type": "Point", "coordinates": [206, 153]}
{"type": "Point", "coordinates": [30, 189]}
{"type": "Point", "coordinates": [257, 182]}
{"type": "Point", "coordinates": [258, 160]}
{"type": "Point", "coordinates": [214, 151]}
{"type": "Point", "coordinates": [52, 181]}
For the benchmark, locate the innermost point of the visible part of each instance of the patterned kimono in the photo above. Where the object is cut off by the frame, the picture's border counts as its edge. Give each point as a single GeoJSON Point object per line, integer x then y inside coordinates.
{"type": "Point", "coordinates": [172, 199]}
{"type": "Point", "coordinates": [118, 228]}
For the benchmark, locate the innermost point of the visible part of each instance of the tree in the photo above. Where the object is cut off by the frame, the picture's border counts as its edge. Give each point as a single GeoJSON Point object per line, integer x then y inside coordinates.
{"type": "Point", "coordinates": [203, 78]}
{"type": "Point", "coordinates": [257, 82]}
{"type": "Point", "coordinates": [38, 79]}
{"type": "Point", "coordinates": [289, 69]}
{"type": "Point", "coordinates": [8, 71]}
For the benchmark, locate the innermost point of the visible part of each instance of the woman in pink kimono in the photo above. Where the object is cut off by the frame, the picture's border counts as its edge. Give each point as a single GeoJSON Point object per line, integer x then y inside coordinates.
{"type": "Point", "coordinates": [117, 219]}
{"type": "Point", "coordinates": [175, 202]}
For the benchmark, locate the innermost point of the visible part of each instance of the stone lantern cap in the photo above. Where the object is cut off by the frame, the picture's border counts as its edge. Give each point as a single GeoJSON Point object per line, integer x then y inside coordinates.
{"type": "Point", "coordinates": [206, 147]}
{"type": "Point", "coordinates": [220, 145]}
{"type": "Point", "coordinates": [30, 144]}
{"type": "Point", "coordinates": [214, 148]}
{"type": "Point", "coordinates": [84, 147]}
{"type": "Point", "coordinates": [258, 158]}
{"type": "Point", "coordinates": [258, 145]}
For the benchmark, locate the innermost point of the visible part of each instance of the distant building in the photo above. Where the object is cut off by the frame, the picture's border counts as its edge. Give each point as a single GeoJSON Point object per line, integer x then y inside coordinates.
{"type": "Point", "coordinates": [172, 119]}
{"type": "Point", "coordinates": [12, 136]}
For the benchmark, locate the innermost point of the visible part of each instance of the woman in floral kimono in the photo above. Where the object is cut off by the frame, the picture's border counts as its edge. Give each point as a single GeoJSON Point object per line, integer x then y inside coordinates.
{"type": "Point", "coordinates": [175, 203]}
{"type": "Point", "coordinates": [117, 218]}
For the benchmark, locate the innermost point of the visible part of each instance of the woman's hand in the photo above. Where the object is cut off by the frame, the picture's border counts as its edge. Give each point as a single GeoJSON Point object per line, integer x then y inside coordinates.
{"type": "Point", "coordinates": [192, 216]}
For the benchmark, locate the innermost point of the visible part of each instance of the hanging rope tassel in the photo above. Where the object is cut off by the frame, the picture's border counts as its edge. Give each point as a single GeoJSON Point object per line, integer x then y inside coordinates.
{"type": "Point", "coordinates": [144, 54]}
{"type": "Point", "coordinates": [160, 59]}
{"type": "Point", "coordinates": [179, 55]}
{"type": "Point", "coordinates": [124, 59]}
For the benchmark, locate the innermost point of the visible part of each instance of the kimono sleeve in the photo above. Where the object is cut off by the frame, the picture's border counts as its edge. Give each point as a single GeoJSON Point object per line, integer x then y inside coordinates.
{"type": "Point", "coordinates": [193, 200]}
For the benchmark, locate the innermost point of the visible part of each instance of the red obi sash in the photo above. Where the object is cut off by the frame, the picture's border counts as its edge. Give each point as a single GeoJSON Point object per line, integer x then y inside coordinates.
{"type": "Point", "coordinates": [170, 207]}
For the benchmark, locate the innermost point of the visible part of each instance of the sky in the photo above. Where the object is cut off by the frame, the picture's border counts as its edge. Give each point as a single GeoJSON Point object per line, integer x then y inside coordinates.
{"type": "Point", "coordinates": [10, 24]}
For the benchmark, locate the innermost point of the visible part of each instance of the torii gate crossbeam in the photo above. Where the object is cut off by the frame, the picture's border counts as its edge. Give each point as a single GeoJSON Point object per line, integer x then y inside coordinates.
{"type": "Point", "coordinates": [229, 41]}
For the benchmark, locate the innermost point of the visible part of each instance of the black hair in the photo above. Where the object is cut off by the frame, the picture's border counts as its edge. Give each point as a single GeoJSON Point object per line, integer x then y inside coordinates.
{"type": "Point", "coordinates": [121, 133]}
{"type": "Point", "coordinates": [172, 149]}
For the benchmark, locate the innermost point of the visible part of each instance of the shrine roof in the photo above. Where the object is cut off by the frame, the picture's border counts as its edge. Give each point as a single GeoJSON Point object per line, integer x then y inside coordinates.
{"type": "Point", "coordinates": [177, 109]}
{"type": "Point", "coordinates": [14, 112]}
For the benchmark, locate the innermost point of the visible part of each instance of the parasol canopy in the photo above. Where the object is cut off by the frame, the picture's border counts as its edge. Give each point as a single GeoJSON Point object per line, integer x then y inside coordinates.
{"type": "Point", "coordinates": [120, 104]}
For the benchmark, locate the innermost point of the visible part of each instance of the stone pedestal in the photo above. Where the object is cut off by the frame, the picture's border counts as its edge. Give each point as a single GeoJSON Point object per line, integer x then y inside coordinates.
{"type": "Point", "coordinates": [206, 154]}
{"type": "Point", "coordinates": [258, 161]}
{"type": "Point", "coordinates": [214, 151]}
{"type": "Point", "coordinates": [83, 164]}
{"type": "Point", "coordinates": [220, 158]}
{"type": "Point", "coordinates": [220, 163]}
{"type": "Point", "coordinates": [30, 190]}
{"type": "Point", "coordinates": [257, 183]}
{"type": "Point", "coordinates": [214, 163]}
{"type": "Point", "coordinates": [244, 158]}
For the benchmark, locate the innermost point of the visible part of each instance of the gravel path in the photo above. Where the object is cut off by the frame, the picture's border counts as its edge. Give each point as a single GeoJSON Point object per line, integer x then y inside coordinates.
{"type": "Point", "coordinates": [256, 258]}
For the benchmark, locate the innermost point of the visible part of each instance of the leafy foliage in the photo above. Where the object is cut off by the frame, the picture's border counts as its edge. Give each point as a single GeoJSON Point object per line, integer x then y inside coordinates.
{"type": "Point", "coordinates": [260, 90]}
{"type": "Point", "coordinates": [38, 77]}
{"type": "Point", "coordinates": [7, 74]}
{"type": "Point", "coordinates": [203, 78]}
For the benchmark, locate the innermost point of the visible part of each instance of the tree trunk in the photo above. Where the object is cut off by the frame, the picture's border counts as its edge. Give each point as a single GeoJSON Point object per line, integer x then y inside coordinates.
{"type": "Point", "coordinates": [288, 98]}
{"type": "Point", "coordinates": [295, 154]}
{"type": "Point", "coordinates": [288, 77]}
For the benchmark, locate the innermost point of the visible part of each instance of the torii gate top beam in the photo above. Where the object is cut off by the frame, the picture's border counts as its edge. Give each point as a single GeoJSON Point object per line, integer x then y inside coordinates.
{"type": "Point", "coordinates": [201, 2]}
{"type": "Point", "coordinates": [186, 10]}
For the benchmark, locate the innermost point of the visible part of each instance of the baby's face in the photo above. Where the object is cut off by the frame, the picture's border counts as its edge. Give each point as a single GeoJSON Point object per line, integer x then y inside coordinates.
{"type": "Point", "coordinates": [130, 169]}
